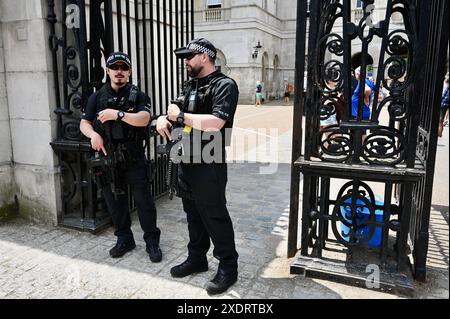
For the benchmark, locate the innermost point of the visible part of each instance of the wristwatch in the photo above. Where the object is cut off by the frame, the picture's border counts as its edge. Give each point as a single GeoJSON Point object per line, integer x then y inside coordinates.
{"type": "Point", "coordinates": [180, 118]}
{"type": "Point", "coordinates": [120, 115]}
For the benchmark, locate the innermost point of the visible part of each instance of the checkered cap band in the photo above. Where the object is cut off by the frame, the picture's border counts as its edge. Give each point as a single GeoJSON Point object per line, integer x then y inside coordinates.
{"type": "Point", "coordinates": [200, 48]}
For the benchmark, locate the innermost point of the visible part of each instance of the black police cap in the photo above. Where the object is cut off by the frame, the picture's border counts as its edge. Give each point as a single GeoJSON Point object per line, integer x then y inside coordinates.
{"type": "Point", "coordinates": [118, 57]}
{"type": "Point", "coordinates": [200, 45]}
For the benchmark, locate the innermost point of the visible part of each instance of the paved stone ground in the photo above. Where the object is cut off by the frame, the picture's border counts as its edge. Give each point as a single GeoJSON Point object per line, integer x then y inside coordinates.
{"type": "Point", "coordinates": [39, 261]}
{"type": "Point", "coordinates": [50, 262]}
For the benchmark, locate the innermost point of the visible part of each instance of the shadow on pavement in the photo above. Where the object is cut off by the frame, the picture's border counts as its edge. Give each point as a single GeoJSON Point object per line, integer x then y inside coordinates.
{"type": "Point", "coordinates": [38, 261]}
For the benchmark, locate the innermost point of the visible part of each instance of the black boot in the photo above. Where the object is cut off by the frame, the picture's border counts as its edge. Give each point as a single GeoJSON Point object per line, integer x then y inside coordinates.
{"type": "Point", "coordinates": [220, 283]}
{"type": "Point", "coordinates": [154, 253]}
{"type": "Point", "coordinates": [121, 248]}
{"type": "Point", "coordinates": [188, 267]}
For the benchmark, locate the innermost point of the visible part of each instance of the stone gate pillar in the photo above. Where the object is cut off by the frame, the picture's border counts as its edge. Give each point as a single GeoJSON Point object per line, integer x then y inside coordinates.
{"type": "Point", "coordinates": [6, 170]}
{"type": "Point", "coordinates": [28, 168]}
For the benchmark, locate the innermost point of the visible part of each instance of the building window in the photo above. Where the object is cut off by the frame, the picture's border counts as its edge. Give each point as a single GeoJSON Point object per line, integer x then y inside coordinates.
{"type": "Point", "coordinates": [213, 11]}
{"type": "Point", "coordinates": [359, 4]}
{"type": "Point", "coordinates": [212, 4]}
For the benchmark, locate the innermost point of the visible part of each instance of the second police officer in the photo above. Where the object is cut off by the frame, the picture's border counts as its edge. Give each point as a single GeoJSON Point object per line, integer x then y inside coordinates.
{"type": "Point", "coordinates": [121, 110]}
{"type": "Point", "coordinates": [207, 108]}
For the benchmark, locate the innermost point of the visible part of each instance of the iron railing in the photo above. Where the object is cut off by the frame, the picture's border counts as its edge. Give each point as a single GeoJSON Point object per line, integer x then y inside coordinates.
{"type": "Point", "coordinates": [352, 170]}
{"type": "Point", "coordinates": [82, 34]}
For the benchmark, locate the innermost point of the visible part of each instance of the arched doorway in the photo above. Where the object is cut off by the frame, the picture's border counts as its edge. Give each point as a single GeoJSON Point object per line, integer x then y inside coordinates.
{"type": "Point", "coordinates": [221, 62]}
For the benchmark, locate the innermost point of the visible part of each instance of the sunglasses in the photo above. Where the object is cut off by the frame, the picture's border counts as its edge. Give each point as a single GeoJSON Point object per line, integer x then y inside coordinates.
{"type": "Point", "coordinates": [192, 55]}
{"type": "Point", "coordinates": [122, 67]}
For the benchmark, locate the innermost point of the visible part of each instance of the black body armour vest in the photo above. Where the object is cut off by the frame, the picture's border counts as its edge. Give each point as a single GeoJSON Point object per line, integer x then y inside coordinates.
{"type": "Point", "coordinates": [203, 97]}
{"type": "Point", "coordinates": [120, 132]}
{"type": "Point", "coordinates": [198, 100]}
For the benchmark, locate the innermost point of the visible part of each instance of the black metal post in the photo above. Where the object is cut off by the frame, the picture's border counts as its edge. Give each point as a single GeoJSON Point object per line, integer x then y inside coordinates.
{"type": "Point", "coordinates": [82, 72]}
{"type": "Point", "coordinates": [297, 132]}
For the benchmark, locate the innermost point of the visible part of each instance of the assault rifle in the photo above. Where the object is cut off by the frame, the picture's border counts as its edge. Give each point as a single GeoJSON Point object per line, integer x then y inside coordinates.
{"type": "Point", "coordinates": [173, 149]}
{"type": "Point", "coordinates": [173, 154]}
{"type": "Point", "coordinates": [103, 167]}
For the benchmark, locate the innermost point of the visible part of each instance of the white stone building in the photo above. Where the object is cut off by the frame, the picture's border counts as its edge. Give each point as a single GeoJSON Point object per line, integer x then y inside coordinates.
{"type": "Point", "coordinates": [236, 27]}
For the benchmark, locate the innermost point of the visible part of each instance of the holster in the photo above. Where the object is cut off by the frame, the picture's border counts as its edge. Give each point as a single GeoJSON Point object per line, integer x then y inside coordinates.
{"type": "Point", "coordinates": [184, 189]}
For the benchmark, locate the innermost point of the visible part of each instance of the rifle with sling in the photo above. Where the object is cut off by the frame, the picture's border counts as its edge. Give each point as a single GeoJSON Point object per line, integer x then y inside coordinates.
{"type": "Point", "coordinates": [104, 168]}
{"type": "Point", "coordinates": [173, 155]}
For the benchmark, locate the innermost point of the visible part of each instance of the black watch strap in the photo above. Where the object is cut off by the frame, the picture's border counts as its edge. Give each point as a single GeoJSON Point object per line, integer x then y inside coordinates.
{"type": "Point", "coordinates": [180, 118]}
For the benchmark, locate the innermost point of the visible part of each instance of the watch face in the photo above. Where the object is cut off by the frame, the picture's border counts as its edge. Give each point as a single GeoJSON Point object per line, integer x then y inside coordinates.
{"type": "Point", "coordinates": [180, 118]}
{"type": "Point", "coordinates": [120, 114]}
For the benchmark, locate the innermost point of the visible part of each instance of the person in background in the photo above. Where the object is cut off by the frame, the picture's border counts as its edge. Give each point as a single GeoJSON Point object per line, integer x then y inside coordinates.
{"type": "Point", "coordinates": [287, 91]}
{"type": "Point", "coordinates": [383, 93]}
{"type": "Point", "coordinates": [368, 96]}
{"type": "Point", "coordinates": [258, 93]}
{"type": "Point", "coordinates": [331, 119]}
{"type": "Point", "coordinates": [444, 106]}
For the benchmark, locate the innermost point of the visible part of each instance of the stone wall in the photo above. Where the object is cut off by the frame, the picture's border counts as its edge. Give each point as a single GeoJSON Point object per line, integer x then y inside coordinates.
{"type": "Point", "coordinates": [6, 170]}
{"type": "Point", "coordinates": [26, 158]}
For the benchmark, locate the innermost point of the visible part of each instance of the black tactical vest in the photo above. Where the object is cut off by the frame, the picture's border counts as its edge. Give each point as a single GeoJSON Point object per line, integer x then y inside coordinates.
{"type": "Point", "coordinates": [204, 96]}
{"type": "Point", "coordinates": [119, 131]}
{"type": "Point", "coordinates": [203, 105]}
{"type": "Point", "coordinates": [126, 101]}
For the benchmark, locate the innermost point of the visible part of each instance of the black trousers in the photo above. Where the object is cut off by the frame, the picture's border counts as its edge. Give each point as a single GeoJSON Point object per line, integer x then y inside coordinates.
{"type": "Point", "coordinates": [207, 215]}
{"type": "Point", "coordinates": [136, 175]}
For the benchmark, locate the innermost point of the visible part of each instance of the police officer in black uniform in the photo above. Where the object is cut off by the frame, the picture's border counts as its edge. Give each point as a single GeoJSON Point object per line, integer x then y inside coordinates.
{"type": "Point", "coordinates": [121, 108]}
{"type": "Point", "coordinates": [208, 105]}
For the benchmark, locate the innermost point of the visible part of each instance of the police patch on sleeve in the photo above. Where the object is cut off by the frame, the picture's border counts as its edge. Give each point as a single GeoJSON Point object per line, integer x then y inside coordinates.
{"type": "Point", "coordinates": [222, 113]}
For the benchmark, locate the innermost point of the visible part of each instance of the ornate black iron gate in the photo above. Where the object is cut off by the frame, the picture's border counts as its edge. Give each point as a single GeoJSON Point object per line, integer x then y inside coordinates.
{"type": "Point", "coordinates": [82, 34]}
{"type": "Point", "coordinates": [367, 182]}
